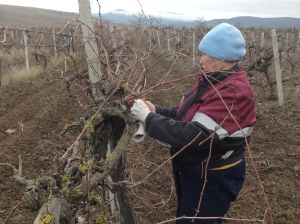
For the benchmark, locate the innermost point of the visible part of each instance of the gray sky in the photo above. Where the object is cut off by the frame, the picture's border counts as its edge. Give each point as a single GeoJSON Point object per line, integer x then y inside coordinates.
{"type": "Point", "coordinates": [186, 9]}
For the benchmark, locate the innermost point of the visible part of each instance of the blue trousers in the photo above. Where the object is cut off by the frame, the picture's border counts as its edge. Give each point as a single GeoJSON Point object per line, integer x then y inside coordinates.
{"type": "Point", "coordinates": [221, 188]}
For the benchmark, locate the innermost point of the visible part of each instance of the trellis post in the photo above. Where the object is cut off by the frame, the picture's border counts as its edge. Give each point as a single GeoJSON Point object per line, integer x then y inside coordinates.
{"type": "Point", "coordinates": [123, 36]}
{"type": "Point", "coordinates": [26, 50]}
{"type": "Point", "coordinates": [158, 39]}
{"type": "Point", "coordinates": [253, 38]}
{"type": "Point", "coordinates": [90, 45]}
{"type": "Point", "coordinates": [113, 39]}
{"type": "Point", "coordinates": [177, 36]}
{"type": "Point", "coordinates": [277, 68]}
{"type": "Point", "coordinates": [286, 45]}
{"type": "Point", "coordinates": [12, 34]}
{"type": "Point", "coordinates": [4, 35]}
{"type": "Point", "coordinates": [54, 43]}
{"type": "Point", "coordinates": [168, 38]}
{"type": "Point", "coordinates": [0, 71]}
{"type": "Point", "coordinates": [262, 39]}
{"type": "Point", "coordinates": [194, 48]}
{"type": "Point", "coordinates": [149, 36]}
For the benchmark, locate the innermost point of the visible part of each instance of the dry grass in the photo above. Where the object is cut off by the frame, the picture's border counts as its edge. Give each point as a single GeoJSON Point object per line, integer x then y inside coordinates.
{"type": "Point", "coordinates": [17, 75]}
{"type": "Point", "coordinates": [12, 71]}
{"type": "Point", "coordinates": [13, 56]}
{"type": "Point", "coordinates": [12, 66]}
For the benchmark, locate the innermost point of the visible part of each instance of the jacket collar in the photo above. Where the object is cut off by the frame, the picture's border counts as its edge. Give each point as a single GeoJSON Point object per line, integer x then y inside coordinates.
{"type": "Point", "coordinates": [218, 76]}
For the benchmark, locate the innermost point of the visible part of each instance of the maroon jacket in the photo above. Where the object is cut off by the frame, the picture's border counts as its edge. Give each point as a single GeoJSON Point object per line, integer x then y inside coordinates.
{"type": "Point", "coordinates": [206, 109]}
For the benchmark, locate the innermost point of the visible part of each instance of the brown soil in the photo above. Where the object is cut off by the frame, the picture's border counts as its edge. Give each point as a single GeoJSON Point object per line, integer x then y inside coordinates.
{"type": "Point", "coordinates": [37, 110]}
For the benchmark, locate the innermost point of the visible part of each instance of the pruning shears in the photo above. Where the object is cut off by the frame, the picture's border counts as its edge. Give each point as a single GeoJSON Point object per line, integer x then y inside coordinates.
{"type": "Point", "coordinates": [132, 97]}
{"type": "Point", "coordinates": [127, 102]}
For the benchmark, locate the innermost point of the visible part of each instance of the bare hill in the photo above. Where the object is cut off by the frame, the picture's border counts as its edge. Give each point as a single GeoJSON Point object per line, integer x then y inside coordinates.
{"type": "Point", "coordinates": [241, 21]}
{"type": "Point", "coordinates": [28, 16]}
{"type": "Point", "coordinates": [250, 21]}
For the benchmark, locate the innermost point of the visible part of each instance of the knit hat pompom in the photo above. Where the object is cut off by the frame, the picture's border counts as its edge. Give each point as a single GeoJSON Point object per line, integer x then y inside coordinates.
{"type": "Point", "coordinates": [223, 42]}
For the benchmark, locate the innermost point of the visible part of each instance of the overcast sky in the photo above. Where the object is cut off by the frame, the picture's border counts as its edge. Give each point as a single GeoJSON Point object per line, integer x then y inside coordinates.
{"type": "Point", "coordinates": [186, 9]}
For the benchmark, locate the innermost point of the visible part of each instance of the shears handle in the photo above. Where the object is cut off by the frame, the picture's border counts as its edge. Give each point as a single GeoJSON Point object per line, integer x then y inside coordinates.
{"type": "Point", "coordinates": [131, 98]}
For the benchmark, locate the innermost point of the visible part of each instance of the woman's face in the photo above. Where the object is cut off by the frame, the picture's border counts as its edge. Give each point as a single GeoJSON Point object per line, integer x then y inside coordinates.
{"type": "Point", "coordinates": [209, 64]}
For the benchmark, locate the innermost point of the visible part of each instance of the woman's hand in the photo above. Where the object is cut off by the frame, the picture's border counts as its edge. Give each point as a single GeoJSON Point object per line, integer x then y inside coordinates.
{"type": "Point", "coordinates": [151, 106]}
{"type": "Point", "coordinates": [140, 110]}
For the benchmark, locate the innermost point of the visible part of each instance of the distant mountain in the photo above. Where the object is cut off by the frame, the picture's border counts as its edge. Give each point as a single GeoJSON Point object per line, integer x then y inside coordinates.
{"type": "Point", "coordinates": [29, 16]}
{"type": "Point", "coordinates": [242, 21]}
{"type": "Point", "coordinates": [248, 21]}
{"type": "Point", "coordinates": [131, 19]}
{"type": "Point", "coordinates": [121, 16]}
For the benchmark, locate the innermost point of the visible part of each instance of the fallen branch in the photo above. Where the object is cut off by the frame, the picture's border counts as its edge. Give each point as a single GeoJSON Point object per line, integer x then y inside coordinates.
{"type": "Point", "coordinates": [12, 211]}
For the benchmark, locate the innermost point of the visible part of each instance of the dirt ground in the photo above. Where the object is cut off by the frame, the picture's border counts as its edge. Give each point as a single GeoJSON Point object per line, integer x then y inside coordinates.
{"type": "Point", "coordinates": [37, 110]}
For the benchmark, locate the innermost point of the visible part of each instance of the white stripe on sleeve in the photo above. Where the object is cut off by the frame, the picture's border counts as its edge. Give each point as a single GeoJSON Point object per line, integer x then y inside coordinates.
{"type": "Point", "coordinates": [210, 124]}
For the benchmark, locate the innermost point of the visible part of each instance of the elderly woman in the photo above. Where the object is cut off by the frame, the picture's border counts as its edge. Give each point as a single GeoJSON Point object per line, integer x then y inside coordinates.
{"type": "Point", "coordinates": [209, 129]}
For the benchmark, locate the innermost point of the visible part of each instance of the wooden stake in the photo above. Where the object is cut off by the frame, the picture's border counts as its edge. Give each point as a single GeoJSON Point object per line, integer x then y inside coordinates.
{"type": "Point", "coordinates": [277, 67]}
{"type": "Point", "coordinates": [90, 45]}
{"type": "Point", "coordinates": [194, 48]}
{"type": "Point", "coordinates": [158, 40]}
{"type": "Point", "coordinates": [262, 39]}
{"type": "Point", "coordinates": [168, 36]}
{"type": "Point", "coordinates": [54, 43]}
{"type": "Point", "coordinates": [26, 50]}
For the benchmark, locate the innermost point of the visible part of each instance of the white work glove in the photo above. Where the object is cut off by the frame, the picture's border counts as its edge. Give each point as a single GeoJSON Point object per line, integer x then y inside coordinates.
{"type": "Point", "coordinates": [140, 110]}
{"type": "Point", "coordinates": [151, 106]}
{"type": "Point", "coordinates": [140, 133]}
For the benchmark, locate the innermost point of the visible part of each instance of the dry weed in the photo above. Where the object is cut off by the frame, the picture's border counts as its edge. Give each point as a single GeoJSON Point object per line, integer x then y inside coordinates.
{"type": "Point", "coordinates": [13, 56]}
{"type": "Point", "coordinates": [17, 75]}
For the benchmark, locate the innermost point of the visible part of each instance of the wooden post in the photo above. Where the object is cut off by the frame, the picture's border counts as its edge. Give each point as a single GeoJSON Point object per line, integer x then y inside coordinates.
{"type": "Point", "coordinates": [123, 37]}
{"type": "Point", "coordinates": [12, 34]}
{"type": "Point", "coordinates": [294, 39]}
{"type": "Point", "coordinates": [0, 70]}
{"type": "Point", "coordinates": [158, 40]}
{"type": "Point", "coordinates": [26, 50]}
{"type": "Point", "coordinates": [111, 28]}
{"type": "Point", "coordinates": [277, 67]}
{"type": "Point", "coordinates": [262, 39]}
{"type": "Point", "coordinates": [178, 37]}
{"type": "Point", "coordinates": [253, 38]}
{"type": "Point", "coordinates": [149, 37]}
{"type": "Point", "coordinates": [90, 45]}
{"type": "Point", "coordinates": [194, 48]}
{"type": "Point", "coordinates": [113, 39]}
{"type": "Point", "coordinates": [4, 35]}
{"type": "Point", "coordinates": [54, 44]}
{"type": "Point", "coordinates": [282, 39]}
{"type": "Point", "coordinates": [168, 38]}
{"type": "Point", "coordinates": [286, 45]}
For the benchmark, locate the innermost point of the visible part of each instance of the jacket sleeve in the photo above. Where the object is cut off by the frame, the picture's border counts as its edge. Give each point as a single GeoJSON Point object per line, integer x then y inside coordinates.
{"type": "Point", "coordinates": [168, 112]}
{"type": "Point", "coordinates": [175, 133]}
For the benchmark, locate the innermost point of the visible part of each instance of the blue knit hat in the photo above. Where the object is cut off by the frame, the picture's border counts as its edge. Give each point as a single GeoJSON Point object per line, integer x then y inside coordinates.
{"type": "Point", "coordinates": [223, 42]}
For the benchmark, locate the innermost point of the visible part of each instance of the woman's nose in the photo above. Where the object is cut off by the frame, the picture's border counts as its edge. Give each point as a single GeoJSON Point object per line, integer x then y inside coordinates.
{"type": "Point", "coordinates": [201, 63]}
